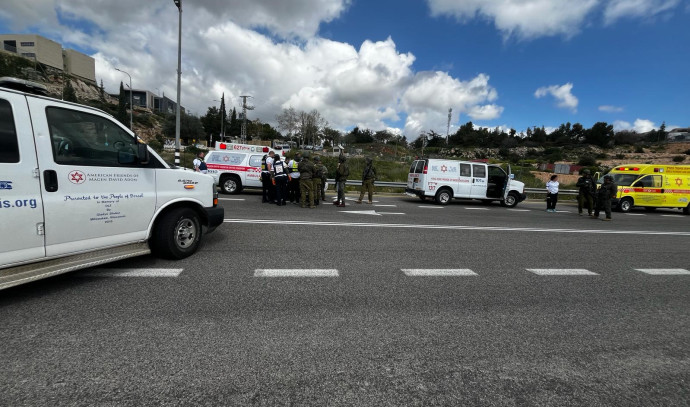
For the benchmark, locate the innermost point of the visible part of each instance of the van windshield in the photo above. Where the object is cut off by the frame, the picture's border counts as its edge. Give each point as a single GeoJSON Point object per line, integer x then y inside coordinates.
{"type": "Point", "coordinates": [622, 180]}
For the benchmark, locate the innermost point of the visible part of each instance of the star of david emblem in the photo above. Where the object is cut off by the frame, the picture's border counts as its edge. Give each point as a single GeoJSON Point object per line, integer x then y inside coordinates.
{"type": "Point", "coordinates": [76, 177]}
{"type": "Point", "coordinates": [226, 158]}
{"type": "Point", "coordinates": [679, 181]}
{"type": "Point", "coordinates": [444, 168]}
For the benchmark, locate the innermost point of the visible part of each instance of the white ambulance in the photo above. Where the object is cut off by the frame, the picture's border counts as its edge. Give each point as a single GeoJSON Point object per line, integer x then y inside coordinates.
{"type": "Point", "coordinates": [77, 189]}
{"type": "Point", "coordinates": [235, 166]}
{"type": "Point", "coordinates": [444, 180]}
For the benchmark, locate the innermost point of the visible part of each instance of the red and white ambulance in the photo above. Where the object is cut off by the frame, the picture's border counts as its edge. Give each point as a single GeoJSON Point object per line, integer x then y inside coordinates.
{"type": "Point", "coordinates": [235, 166]}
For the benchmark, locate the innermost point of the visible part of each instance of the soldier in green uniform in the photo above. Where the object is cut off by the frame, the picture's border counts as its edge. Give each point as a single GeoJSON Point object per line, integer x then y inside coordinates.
{"type": "Point", "coordinates": [317, 179]}
{"type": "Point", "coordinates": [607, 191]}
{"type": "Point", "coordinates": [368, 178]}
{"type": "Point", "coordinates": [306, 171]}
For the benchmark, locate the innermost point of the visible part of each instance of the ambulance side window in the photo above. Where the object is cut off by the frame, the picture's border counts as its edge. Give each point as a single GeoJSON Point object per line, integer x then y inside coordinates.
{"type": "Point", "coordinates": [255, 161]}
{"type": "Point", "coordinates": [9, 147]}
{"type": "Point", "coordinates": [479, 171]}
{"type": "Point", "coordinates": [465, 170]}
{"type": "Point", "coordinates": [650, 181]}
{"type": "Point", "coordinates": [419, 167]}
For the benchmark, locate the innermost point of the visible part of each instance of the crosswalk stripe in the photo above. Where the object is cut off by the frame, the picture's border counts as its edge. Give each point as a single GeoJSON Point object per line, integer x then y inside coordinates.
{"type": "Point", "coordinates": [133, 272]}
{"type": "Point", "coordinates": [562, 272]}
{"type": "Point", "coordinates": [668, 272]}
{"type": "Point", "coordinates": [296, 273]}
{"type": "Point", "coordinates": [438, 272]}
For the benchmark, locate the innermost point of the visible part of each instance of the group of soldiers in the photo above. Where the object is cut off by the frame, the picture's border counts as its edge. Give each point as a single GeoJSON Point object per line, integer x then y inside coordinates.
{"type": "Point", "coordinates": [595, 199]}
{"type": "Point", "coordinates": [302, 180]}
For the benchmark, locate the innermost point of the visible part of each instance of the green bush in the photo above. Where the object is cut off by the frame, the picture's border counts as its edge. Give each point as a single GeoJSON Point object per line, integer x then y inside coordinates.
{"type": "Point", "coordinates": [639, 149]}
{"type": "Point", "coordinates": [587, 161]}
{"type": "Point", "coordinates": [678, 158]}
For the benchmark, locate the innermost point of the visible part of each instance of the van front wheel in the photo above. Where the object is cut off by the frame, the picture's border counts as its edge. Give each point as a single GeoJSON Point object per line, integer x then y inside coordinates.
{"type": "Point", "coordinates": [177, 235]}
{"type": "Point", "coordinates": [443, 196]}
{"type": "Point", "coordinates": [511, 200]}
{"type": "Point", "coordinates": [230, 185]}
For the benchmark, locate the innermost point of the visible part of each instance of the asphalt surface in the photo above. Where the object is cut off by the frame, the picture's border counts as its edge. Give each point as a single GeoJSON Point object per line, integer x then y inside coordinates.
{"type": "Point", "coordinates": [219, 332]}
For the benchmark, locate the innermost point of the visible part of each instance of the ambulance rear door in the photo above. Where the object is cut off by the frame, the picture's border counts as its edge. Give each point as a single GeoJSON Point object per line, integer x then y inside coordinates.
{"type": "Point", "coordinates": [21, 204]}
{"type": "Point", "coordinates": [415, 178]}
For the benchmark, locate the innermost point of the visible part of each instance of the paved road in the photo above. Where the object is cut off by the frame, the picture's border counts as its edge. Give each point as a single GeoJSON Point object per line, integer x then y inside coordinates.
{"type": "Point", "coordinates": [404, 303]}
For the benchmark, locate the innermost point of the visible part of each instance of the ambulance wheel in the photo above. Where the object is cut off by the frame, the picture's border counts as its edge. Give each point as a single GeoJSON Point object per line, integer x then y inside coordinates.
{"type": "Point", "coordinates": [443, 196]}
{"type": "Point", "coordinates": [625, 205]}
{"type": "Point", "coordinates": [177, 235]}
{"type": "Point", "coordinates": [230, 184]}
{"type": "Point", "coordinates": [511, 200]}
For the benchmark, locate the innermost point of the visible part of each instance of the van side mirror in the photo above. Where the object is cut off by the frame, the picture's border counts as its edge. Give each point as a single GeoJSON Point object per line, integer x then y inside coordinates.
{"type": "Point", "coordinates": [511, 176]}
{"type": "Point", "coordinates": [143, 153]}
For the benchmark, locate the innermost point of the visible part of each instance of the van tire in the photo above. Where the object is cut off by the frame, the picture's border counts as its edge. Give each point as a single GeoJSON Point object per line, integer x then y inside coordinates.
{"type": "Point", "coordinates": [177, 235]}
{"type": "Point", "coordinates": [230, 184]}
{"type": "Point", "coordinates": [625, 205]}
{"type": "Point", "coordinates": [511, 200]}
{"type": "Point", "coordinates": [443, 196]}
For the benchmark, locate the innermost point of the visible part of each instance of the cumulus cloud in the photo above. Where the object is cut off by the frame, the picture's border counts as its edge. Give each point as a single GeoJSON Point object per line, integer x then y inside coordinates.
{"type": "Point", "coordinates": [263, 48]}
{"type": "Point", "coordinates": [525, 19]}
{"type": "Point", "coordinates": [610, 109]}
{"type": "Point", "coordinates": [617, 9]}
{"type": "Point", "coordinates": [562, 94]}
{"type": "Point", "coordinates": [640, 125]}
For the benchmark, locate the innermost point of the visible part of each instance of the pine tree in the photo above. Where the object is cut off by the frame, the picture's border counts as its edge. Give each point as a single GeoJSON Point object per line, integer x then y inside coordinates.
{"type": "Point", "coordinates": [101, 92]}
{"type": "Point", "coordinates": [69, 94]}
{"type": "Point", "coordinates": [121, 114]}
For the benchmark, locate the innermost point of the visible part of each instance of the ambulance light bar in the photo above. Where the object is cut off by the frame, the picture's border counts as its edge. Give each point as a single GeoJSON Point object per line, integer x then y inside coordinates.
{"type": "Point", "coordinates": [256, 149]}
{"type": "Point", "coordinates": [627, 169]}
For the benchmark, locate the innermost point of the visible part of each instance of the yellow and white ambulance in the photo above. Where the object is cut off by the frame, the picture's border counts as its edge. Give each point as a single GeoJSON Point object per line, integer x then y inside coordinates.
{"type": "Point", "coordinates": [652, 186]}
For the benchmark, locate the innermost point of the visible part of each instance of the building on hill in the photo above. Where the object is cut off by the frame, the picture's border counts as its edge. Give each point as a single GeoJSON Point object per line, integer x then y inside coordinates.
{"type": "Point", "coordinates": [50, 53]}
{"type": "Point", "coordinates": [679, 135]}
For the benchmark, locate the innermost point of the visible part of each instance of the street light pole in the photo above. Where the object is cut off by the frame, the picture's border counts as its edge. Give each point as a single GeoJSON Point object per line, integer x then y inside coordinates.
{"type": "Point", "coordinates": [178, 3]}
{"type": "Point", "coordinates": [131, 106]}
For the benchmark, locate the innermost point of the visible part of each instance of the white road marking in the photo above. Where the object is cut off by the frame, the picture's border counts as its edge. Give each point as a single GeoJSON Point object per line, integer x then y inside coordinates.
{"type": "Point", "coordinates": [666, 272]}
{"type": "Point", "coordinates": [371, 212]}
{"type": "Point", "coordinates": [477, 209]}
{"type": "Point", "coordinates": [520, 210]}
{"type": "Point", "coordinates": [457, 227]}
{"type": "Point", "coordinates": [431, 207]}
{"type": "Point", "coordinates": [133, 273]}
{"type": "Point", "coordinates": [674, 216]}
{"type": "Point", "coordinates": [562, 272]}
{"type": "Point", "coordinates": [635, 214]}
{"type": "Point", "coordinates": [231, 199]}
{"type": "Point", "coordinates": [295, 273]}
{"type": "Point", "coordinates": [394, 206]}
{"type": "Point", "coordinates": [438, 272]}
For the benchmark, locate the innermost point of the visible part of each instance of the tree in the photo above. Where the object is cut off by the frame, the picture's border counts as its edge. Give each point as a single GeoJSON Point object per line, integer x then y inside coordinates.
{"type": "Point", "coordinates": [235, 129]}
{"type": "Point", "coordinates": [333, 136]}
{"type": "Point", "coordinates": [288, 121]}
{"type": "Point", "coordinates": [211, 121]}
{"type": "Point", "coordinates": [121, 114]}
{"type": "Point", "coordinates": [69, 93]}
{"type": "Point", "coordinates": [601, 134]}
{"type": "Point", "coordinates": [382, 136]}
{"type": "Point", "coordinates": [101, 92]}
{"type": "Point", "coordinates": [190, 127]}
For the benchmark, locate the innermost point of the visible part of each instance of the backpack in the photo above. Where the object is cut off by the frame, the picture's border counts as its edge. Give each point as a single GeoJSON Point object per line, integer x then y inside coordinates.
{"type": "Point", "coordinates": [202, 166]}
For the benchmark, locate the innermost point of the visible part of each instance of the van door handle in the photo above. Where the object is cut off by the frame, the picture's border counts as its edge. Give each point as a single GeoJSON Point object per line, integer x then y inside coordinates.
{"type": "Point", "coordinates": [50, 179]}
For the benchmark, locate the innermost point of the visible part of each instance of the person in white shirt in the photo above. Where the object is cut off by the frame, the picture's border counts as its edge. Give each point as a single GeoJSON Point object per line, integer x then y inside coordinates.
{"type": "Point", "coordinates": [199, 164]}
{"type": "Point", "coordinates": [552, 194]}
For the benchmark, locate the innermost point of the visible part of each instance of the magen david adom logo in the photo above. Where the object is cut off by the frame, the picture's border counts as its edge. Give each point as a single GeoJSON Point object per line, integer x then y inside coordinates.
{"type": "Point", "coordinates": [76, 177]}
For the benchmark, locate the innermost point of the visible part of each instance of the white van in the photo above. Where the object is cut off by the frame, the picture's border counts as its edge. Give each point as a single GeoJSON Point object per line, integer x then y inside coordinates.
{"type": "Point", "coordinates": [235, 166]}
{"type": "Point", "coordinates": [77, 189]}
{"type": "Point", "coordinates": [446, 179]}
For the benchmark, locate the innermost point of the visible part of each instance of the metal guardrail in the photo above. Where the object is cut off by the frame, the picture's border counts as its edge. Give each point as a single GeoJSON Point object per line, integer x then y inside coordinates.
{"type": "Point", "coordinates": [403, 185]}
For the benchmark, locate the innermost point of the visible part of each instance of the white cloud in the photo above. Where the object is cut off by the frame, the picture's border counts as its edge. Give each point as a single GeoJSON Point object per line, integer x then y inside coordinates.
{"type": "Point", "coordinates": [640, 125]}
{"type": "Point", "coordinates": [561, 93]}
{"type": "Point", "coordinates": [616, 9]}
{"type": "Point", "coordinates": [372, 86]}
{"type": "Point", "coordinates": [524, 19]}
{"type": "Point", "coordinates": [610, 109]}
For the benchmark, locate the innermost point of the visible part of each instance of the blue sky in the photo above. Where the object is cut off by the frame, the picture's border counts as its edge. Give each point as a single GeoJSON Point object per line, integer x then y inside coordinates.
{"type": "Point", "coordinates": [394, 64]}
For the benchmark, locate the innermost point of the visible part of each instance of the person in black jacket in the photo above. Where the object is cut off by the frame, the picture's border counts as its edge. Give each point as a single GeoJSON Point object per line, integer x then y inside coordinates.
{"type": "Point", "coordinates": [607, 191]}
{"type": "Point", "coordinates": [587, 189]}
{"type": "Point", "coordinates": [341, 175]}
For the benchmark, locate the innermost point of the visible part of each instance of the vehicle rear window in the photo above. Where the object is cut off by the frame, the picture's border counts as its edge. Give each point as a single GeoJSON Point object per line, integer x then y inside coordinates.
{"type": "Point", "coordinates": [9, 146]}
{"type": "Point", "coordinates": [420, 166]}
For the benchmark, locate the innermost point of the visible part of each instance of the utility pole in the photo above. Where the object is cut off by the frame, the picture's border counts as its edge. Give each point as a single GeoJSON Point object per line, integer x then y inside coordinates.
{"type": "Point", "coordinates": [244, 117]}
{"type": "Point", "coordinates": [448, 126]}
{"type": "Point", "coordinates": [178, 3]}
